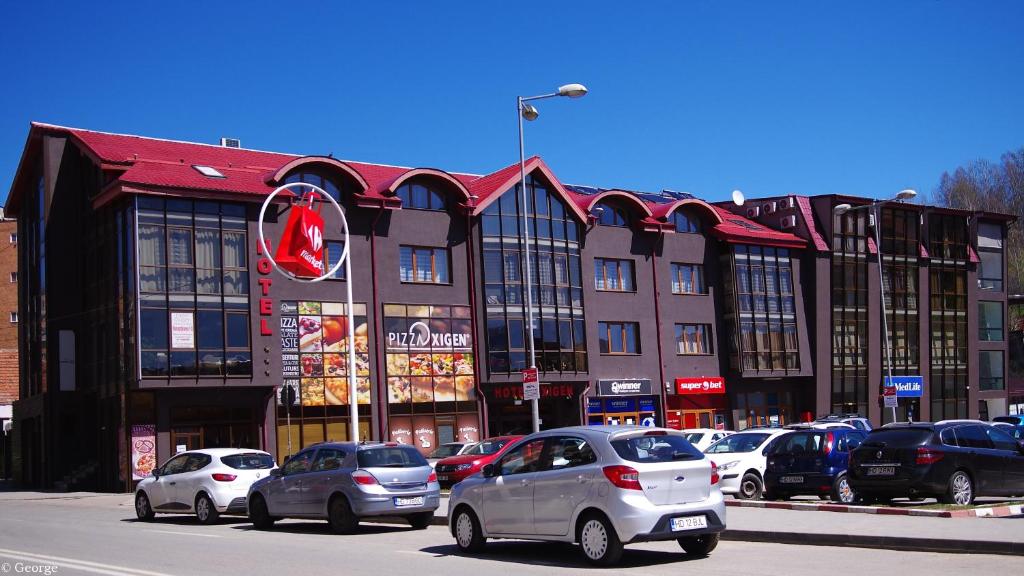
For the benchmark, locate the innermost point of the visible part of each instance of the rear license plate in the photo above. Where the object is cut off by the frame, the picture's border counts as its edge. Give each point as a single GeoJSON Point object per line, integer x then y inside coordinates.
{"type": "Point", "coordinates": [689, 523]}
{"type": "Point", "coordinates": [791, 480]}
{"type": "Point", "coordinates": [881, 471]}
{"type": "Point", "coordinates": [416, 501]}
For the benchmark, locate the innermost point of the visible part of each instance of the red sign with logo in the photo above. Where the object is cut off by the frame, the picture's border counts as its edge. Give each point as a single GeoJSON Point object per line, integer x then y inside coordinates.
{"type": "Point", "coordinates": [301, 250]}
{"type": "Point", "coordinates": [701, 385]}
{"type": "Point", "coordinates": [529, 375]}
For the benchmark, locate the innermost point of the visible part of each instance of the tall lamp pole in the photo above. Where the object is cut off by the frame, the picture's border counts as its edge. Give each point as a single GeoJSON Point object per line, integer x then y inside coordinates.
{"type": "Point", "coordinates": [875, 209]}
{"type": "Point", "coordinates": [528, 111]}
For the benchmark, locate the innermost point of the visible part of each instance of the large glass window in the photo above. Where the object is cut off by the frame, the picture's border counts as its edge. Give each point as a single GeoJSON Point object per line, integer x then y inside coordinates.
{"type": "Point", "coordinates": [990, 370]}
{"type": "Point", "coordinates": [947, 236]}
{"type": "Point", "coordinates": [614, 275]}
{"type": "Point", "coordinates": [685, 222]}
{"type": "Point", "coordinates": [608, 215]}
{"type": "Point", "coordinates": [194, 289]}
{"type": "Point", "coordinates": [424, 265]}
{"type": "Point", "coordinates": [948, 382]}
{"type": "Point", "coordinates": [990, 321]}
{"type": "Point", "coordinates": [420, 197]}
{"type": "Point", "coordinates": [850, 345]}
{"type": "Point", "coordinates": [693, 339]}
{"type": "Point", "coordinates": [687, 278]}
{"type": "Point", "coordinates": [990, 270]}
{"type": "Point", "coordinates": [760, 292]}
{"type": "Point", "coordinates": [557, 291]}
{"type": "Point", "coordinates": [618, 337]}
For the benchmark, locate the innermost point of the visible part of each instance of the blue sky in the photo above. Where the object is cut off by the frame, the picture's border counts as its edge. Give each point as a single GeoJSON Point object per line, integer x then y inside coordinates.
{"type": "Point", "coordinates": [862, 98]}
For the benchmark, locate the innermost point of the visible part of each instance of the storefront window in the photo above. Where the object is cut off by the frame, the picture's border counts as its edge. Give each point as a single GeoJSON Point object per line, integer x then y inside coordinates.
{"type": "Point", "coordinates": [194, 292]}
{"type": "Point", "coordinates": [430, 375]}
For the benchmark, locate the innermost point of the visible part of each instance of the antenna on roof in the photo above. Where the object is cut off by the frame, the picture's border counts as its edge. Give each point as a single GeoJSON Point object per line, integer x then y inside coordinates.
{"type": "Point", "coordinates": [231, 142]}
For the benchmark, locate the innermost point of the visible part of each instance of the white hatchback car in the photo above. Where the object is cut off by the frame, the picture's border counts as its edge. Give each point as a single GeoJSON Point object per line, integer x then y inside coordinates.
{"type": "Point", "coordinates": [701, 438]}
{"type": "Point", "coordinates": [742, 458]}
{"type": "Point", "coordinates": [207, 482]}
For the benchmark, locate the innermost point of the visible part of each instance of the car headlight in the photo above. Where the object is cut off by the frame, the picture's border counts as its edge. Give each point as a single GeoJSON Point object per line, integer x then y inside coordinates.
{"type": "Point", "coordinates": [728, 465]}
{"type": "Point", "coordinates": [462, 467]}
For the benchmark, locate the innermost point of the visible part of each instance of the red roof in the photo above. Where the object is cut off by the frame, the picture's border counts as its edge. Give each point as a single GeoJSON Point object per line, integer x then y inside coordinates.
{"type": "Point", "coordinates": [739, 230]}
{"type": "Point", "coordinates": [805, 210]}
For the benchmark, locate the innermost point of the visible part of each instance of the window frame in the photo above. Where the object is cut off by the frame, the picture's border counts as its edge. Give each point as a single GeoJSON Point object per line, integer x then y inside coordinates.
{"type": "Point", "coordinates": [414, 269]}
{"type": "Point", "coordinates": [608, 327]}
{"type": "Point", "coordinates": [702, 332]}
{"type": "Point", "coordinates": [677, 275]}
{"type": "Point", "coordinates": [602, 264]}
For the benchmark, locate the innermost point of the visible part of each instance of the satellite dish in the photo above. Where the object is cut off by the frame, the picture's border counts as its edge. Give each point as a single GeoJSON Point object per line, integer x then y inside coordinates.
{"type": "Point", "coordinates": [737, 198]}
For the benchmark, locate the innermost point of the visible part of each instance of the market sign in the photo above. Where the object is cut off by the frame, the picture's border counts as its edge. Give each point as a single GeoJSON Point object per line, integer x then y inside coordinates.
{"type": "Point", "coordinates": [906, 386]}
{"type": "Point", "coordinates": [701, 385]}
{"type": "Point", "coordinates": [625, 387]}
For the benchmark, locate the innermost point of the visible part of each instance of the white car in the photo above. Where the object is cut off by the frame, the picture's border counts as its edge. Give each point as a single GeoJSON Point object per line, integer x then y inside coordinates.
{"type": "Point", "coordinates": [741, 461]}
{"type": "Point", "coordinates": [205, 482]}
{"type": "Point", "coordinates": [701, 438]}
{"type": "Point", "coordinates": [448, 449]}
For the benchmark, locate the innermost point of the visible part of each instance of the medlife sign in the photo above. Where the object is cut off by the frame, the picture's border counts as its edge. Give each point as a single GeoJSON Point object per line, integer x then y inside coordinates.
{"type": "Point", "coordinates": [907, 386]}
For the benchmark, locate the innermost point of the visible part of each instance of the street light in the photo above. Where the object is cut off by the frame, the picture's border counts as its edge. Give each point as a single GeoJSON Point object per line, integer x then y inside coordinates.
{"type": "Point", "coordinates": [529, 112]}
{"type": "Point", "coordinates": [876, 214]}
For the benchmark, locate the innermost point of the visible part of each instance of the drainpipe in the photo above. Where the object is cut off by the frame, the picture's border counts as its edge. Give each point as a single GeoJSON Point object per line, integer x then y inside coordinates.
{"type": "Point", "coordinates": [657, 322]}
{"type": "Point", "coordinates": [484, 432]}
{"type": "Point", "coordinates": [378, 327]}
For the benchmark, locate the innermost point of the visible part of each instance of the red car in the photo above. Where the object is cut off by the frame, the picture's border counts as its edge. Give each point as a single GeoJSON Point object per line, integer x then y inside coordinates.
{"type": "Point", "coordinates": [454, 469]}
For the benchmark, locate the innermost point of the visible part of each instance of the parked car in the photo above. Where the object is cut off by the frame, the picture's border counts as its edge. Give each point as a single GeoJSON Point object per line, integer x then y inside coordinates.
{"type": "Point", "coordinates": [448, 449]}
{"type": "Point", "coordinates": [1016, 420]}
{"type": "Point", "coordinates": [701, 438]}
{"type": "Point", "coordinates": [954, 461]}
{"type": "Point", "coordinates": [454, 469]}
{"type": "Point", "coordinates": [856, 420]}
{"type": "Point", "coordinates": [742, 461]}
{"type": "Point", "coordinates": [343, 482]}
{"type": "Point", "coordinates": [820, 425]}
{"type": "Point", "coordinates": [207, 482]}
{"type": "Point", "coordinates": [812, 462]}
{"type": "Point", "coordinates": [598, 486]}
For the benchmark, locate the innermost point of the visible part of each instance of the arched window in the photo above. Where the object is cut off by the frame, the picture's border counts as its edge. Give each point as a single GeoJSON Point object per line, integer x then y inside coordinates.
{"type": "Point", "coordinates": [316, 179]}
{"type": "Point", "coordinates": [685, 222]}
{"type": "Point", "coordinates": [420, 197]}
{"type": "Point", "coordinates": [608, 215]}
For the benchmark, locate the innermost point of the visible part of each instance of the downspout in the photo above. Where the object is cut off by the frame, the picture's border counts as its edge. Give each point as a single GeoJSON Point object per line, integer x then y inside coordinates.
{"type": "Point", "coordinates": [378, 326]}
{"type": "Point", "coordinates": [657, 322]}
{"type": "Point", "coordinates": [472, 322]}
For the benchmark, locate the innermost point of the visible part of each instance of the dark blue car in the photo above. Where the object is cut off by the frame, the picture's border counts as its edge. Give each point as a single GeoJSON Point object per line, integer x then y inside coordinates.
{"type": "Point", "coordinates": [811, 462]}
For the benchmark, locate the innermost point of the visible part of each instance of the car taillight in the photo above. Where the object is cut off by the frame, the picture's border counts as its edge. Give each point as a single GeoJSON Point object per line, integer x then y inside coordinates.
{"type": "Point", "coordinates": [432, 477]}
{"type": "Point", "coordinates": [363, 477]}
{"type": "Point", "coordinates": [623, 477]}
{"type": "Point", "coordinates": [224, 477]}
{"type": "Point", "coordinates": [714, 473]}
{"type": "Point", "coordinates": [830, 439]}
{"type": "Point", "coordinates": [926, 455]}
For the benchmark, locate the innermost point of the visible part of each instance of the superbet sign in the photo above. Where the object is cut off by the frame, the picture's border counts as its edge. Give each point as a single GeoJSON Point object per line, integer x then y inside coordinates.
{"type": "Point", "coordinates": [701, 385]}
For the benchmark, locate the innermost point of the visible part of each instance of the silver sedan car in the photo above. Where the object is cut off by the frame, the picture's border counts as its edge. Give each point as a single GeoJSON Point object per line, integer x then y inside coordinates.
{"type": "Point", "coordinates": [343, 482]}
{"type": "Point", "coordinates": [599, 486]}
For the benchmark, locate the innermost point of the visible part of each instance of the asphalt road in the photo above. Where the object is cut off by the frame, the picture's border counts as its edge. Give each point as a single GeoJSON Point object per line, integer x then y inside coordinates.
{"type": "Point", "coordinates": [100, 535]}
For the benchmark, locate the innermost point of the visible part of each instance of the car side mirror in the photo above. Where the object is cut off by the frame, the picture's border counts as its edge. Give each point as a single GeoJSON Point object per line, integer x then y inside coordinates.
{"type": "Point", "coordinates": [155, 473]}
{"type": "Point", "coordinates": [277, 472]}
{"type": "Point", "coordinates": [488, 471]}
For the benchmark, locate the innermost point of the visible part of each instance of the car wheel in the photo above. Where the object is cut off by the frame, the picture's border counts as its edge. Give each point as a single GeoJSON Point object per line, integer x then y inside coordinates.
{"type": "Point", "coordinates": [143, 509]}
{"type": "Point", "coordinates": [206, 513]}
{"type": "Point", "coordinates": [841, 490]}
{"type": "Point", "coordinates": [699, 545]}
{"type": "Point", "coordinates": [960, 489]}
{"type": "Point", "coordinates": [420, 520]}
{"type": "Point", "coordinates": [750, 487]}
{"type": "Point", "coordinates": [466, 529]}
{"type": "Point", "coordinates": [598, 541]}
{"type": "Point", "coordinates": [258, 513]}
{"type": "Point", "coordinates": [340, 516]}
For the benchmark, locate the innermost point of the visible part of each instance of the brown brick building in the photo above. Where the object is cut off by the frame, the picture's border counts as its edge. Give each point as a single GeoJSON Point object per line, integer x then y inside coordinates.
{"type": "Point", "coordinates": [8, 335]}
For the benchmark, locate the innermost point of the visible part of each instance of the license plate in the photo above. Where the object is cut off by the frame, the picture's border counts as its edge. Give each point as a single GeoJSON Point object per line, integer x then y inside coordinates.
{"type": "Point", "coordinates": [416, 501]}
{"type": "Point", "coordinates": [881, 471]}
{"type": "Point", "coordinates": [442, 477]}
{"type": "Point", "coordinates": [689, 523]}
{"type": "Point", "coordinates": [791, 480]}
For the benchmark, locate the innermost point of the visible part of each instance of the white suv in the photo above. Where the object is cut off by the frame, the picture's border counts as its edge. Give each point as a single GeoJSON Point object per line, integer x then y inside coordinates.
{"type": "Point", "coordinates": [741, 461]}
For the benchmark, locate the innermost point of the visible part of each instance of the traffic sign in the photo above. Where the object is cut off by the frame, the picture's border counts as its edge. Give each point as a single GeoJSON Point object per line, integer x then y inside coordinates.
{"type": "Point", "coordinates": [889, 395]}
{"type": "Point", "coordinates": [530, 375]}
{"type": "Point", "coordinates": [531, 391]}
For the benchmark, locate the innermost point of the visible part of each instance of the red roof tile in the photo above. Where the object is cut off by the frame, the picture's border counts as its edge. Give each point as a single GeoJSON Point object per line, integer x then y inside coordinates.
{"type": "Point", "coordinates": [737, 229]}
{"type": "Point", "coordinates": [812, 228]}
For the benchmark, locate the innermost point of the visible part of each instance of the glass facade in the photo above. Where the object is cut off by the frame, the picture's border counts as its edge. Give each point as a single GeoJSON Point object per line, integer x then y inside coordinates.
{"type": "Point", "coordinates": [948, 291]}
{"type": "Point", "coordinates": [850, 343]}
{"type": "Point", "coordinates": [761, 307]}
{"type": "Point", "coordinates": [193, 288]}
{"type": "Point", "coordinates": [559, 329]}
{"type": "Point", "coordinates": [900, 268]}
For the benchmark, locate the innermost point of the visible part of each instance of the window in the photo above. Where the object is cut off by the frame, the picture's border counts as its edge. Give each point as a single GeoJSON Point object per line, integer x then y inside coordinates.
{"type": "Point", "coordinates": [614, 275]}
{"type": "Point", "coordinates": [693, 339]}
{"type": "Point", "coordinates": [523, 459]}
{"type": "Point", "coordinates": [569, 452]}
{"type": "Point", "coordinates": [765, 309]}
{"type": "Point", "coordinates": [990, 321]}
{"type": "Point", "coordinates": [947, 237]}
{"type": "Point", "coordinates": [685, 222]}
{"type": "Point", "coordinates": [14, 277]}
{"type": "Point", "coordinates": [990, 270]}
{"type": "Point", "coordinates": [424, 265]}
{"type": "Point", "coordinates": [420, 197]}
{"type": "Point", "coordinates": [299, 464]}
{"type": "Point", "coordinates": [325, 184]}
{"type": "Point", "coordinates": [14, 238]}
{"type": "Point", "coordinates": [608, 215]}
{"type": "Point", "coordinates": [990, 370]}
{"type": "Point", "coordinates": [687, 278]}
{"type": "Point", "coordinates": [14, 317]}
{"type": "Point", "coordinates": [948, 324]}
{"type": "Point", "coordinates": [332, 254]}
{"type": "Point", "coordinates": [618, 337]}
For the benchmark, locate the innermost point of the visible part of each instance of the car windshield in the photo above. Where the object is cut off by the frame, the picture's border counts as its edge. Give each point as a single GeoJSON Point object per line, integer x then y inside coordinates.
{"type": "Point", "coordinates": [661, 448]}
{"type": "Point", "coordinates": [747, 442]}
{"type": "Point", "coordinates": [390, 457]}
{"type": "Point", "coordinates": [446, 451]}
{"type": "Point", "coordinates": [799, 442]}
{"type": "Point", "coordinates": [898, 437]}
{"type": "Point", "coordinates": [248, 461]}
{"type": "Point", "coordinates": [487, 447]}
{"type": "Point", "coordinates": [694, 437]}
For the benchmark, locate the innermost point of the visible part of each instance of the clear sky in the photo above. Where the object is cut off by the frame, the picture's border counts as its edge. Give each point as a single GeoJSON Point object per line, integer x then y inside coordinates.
{"type": "Point", "coordinates": [862, 98]}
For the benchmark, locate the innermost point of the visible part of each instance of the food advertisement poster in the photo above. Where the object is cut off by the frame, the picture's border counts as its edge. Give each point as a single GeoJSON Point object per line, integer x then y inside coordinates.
{"type": "Point", "coordinates": [314, 351]}
{"type": "Point", "coordinates": [143, 444]}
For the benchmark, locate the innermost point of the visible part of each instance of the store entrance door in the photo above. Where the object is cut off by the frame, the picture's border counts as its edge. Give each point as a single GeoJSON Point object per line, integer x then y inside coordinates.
{"type": "Point", "coordinates": [698, 419]}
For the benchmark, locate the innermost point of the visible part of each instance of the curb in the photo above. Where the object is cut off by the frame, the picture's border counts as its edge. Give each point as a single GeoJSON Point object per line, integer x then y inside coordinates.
{"type": "Point", "coordinates": [988, 512]}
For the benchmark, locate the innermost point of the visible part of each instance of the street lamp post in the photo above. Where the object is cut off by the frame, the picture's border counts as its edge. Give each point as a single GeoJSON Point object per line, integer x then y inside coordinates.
{"type": "Point", "coordinates": [524, 110]}
{"type": "Point", "coordinates": [876, 213]}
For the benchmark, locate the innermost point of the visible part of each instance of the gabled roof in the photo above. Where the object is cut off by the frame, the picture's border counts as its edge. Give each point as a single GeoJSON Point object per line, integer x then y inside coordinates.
{"type": "Point", "coordinates": [489, 188]}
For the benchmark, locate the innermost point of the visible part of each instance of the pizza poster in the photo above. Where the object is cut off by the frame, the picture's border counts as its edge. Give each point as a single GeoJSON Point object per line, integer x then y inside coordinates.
{"type": "Point", "coordinates": [143, 443]}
